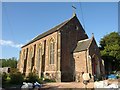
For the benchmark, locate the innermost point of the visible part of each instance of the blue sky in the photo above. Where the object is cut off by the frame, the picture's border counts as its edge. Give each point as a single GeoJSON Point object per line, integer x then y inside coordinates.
{"type": "Point", "coordinates": [23, 21]}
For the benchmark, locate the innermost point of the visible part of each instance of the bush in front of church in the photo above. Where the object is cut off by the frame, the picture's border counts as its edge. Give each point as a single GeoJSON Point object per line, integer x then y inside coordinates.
{"type": "Point", "coordinates": [49, 80]}
{"type": "Point", "coordinates": [16, 78]}
{"type": "Point", "coordinates": [4, 77]}
{"type": "Point", "coordinates": [32, 78]}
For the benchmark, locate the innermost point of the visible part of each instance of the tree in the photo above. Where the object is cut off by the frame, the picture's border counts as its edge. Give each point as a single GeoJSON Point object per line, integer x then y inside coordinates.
{"type": "Point", "coordinates": [11, 62]}
{"type": "Point", "coordinates": [110, 48]}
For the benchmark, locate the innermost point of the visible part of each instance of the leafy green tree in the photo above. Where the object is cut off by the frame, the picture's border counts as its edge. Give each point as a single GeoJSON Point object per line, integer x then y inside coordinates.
{"type": "Point", "coordinates": [11, 62]}
{"type": "Point", "coordinates": [110, 48]}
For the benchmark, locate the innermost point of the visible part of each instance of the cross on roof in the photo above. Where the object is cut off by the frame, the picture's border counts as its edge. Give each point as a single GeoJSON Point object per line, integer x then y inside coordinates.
{"type": "Point", "coordinates": [74, 8]}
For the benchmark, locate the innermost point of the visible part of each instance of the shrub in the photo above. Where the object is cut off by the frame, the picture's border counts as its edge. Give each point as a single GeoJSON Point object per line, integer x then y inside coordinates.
{"type": "Point", "coordinates": [117, 75]}
{"type": "Point", "coordinates": [49, 80]}
{"type": "Point", "coordinates": [13, 70]}
{"type": "Point", "coordinates": [16, 78]}
{"type": "Point", "coordinates": [4, 77]}
{"type": "Point", "coordinates": [32, 77]}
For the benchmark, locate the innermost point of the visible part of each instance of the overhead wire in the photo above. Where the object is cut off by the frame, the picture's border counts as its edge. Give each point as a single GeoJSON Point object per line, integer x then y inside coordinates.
{"type": "Point", "coordinates": [81, 9]}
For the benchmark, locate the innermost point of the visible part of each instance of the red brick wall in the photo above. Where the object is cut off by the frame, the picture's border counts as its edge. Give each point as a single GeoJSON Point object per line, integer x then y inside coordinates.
{"type": "Point", "coordinates": [70, 35]}
{"type": "Point", "coordinates": [80, 65]}
{"type": "Point", "coordinates": [94, 52]}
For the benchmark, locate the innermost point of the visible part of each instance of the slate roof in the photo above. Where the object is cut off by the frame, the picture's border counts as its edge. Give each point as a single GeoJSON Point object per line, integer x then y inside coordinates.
{"type": "Point", "coordinates": [56, 28]}
{"type": "Point", "coordinates": [83, 45]}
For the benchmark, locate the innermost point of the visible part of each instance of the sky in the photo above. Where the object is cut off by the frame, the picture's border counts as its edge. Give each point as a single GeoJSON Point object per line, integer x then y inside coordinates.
{"type": "Point", "coordinates": [119, 17]}
{"type": "Point", "coordinates": [22, 21]}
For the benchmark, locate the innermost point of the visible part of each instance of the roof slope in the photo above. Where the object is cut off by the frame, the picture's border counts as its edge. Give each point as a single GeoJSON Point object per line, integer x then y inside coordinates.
{"type": "Point", "coordinates": [83, 45]}
{"type": "Point", "coordinates": [56, 28]}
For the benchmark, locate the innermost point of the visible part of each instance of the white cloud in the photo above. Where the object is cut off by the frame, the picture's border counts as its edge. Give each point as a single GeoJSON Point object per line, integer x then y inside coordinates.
{"type": "Point", "coordinates": [10, 43]}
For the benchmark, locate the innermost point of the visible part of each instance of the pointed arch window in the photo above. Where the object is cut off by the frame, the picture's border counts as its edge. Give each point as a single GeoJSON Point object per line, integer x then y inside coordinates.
{"type": "Point", "coordinates": [30, 57]}
{"type": "Point", "coordinates": [51, 51]}
{"type": "Point", "coordinates": [31, 51]}
{"type": "Point", "coordinates": [39, 56]}
{"type": "Point", "coordinates": [23, 54]}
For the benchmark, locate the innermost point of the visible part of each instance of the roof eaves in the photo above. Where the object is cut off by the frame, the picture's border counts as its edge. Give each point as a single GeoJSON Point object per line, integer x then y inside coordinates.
{"type": "Point", "coordinates": [79, 51]}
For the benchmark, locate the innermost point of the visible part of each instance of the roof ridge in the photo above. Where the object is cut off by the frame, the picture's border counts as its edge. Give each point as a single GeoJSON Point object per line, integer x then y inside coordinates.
{"type": "Point", "coordinates": [66, 21]}
{"type": "Point", "coordinates": [84, 40]}
{"type": "Point", "coordinates": [90, 42]}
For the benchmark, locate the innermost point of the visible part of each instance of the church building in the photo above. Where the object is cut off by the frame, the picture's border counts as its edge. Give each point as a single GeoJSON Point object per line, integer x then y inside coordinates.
{"type": "Point", "coordinates": [62, 53]}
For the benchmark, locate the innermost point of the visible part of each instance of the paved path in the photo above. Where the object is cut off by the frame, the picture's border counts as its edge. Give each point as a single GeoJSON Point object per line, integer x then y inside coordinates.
{"type": "Point", "coordinates": [68, 85]}
{"type": "Point", "coordinates": [74, 84]}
